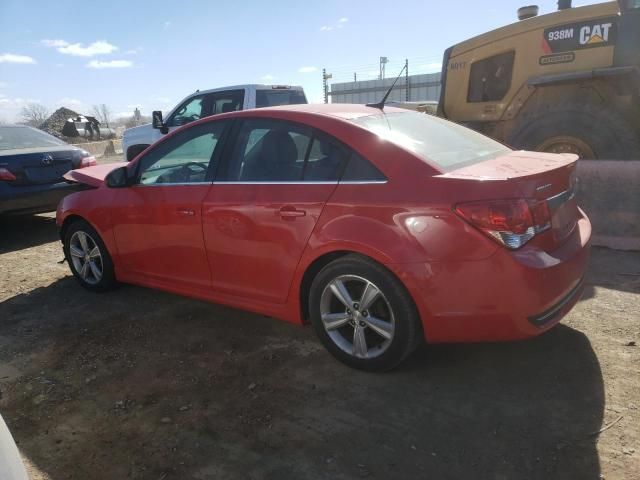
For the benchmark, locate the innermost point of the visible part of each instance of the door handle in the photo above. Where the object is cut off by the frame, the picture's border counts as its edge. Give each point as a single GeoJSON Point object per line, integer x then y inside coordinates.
{"type": "Point", "coordinates": [186, 212]}
{"type": "Point", "coordinates": [291, 212]}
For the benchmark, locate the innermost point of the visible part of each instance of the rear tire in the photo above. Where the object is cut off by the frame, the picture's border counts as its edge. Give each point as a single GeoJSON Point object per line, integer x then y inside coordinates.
{"type": "Point", "coordinates": [363, 315]}
{"type": "Point", "coordinates": [88, 257]}
{"type": "Point", "coordinates": [588, 130]}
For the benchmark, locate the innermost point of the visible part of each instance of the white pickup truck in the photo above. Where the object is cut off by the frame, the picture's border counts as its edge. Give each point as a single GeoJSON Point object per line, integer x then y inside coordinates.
{"type": "Point", "coordinates": [204, 104]}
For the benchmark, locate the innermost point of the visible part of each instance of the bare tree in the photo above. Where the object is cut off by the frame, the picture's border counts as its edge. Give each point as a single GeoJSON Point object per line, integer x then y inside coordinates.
{"type": "Point", "coordinates": [103, 114]}
{"type": "Point", "coordinates": [33, 114]}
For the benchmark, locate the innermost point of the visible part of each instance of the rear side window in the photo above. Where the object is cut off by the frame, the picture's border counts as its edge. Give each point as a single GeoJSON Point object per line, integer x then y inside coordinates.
{"type": "Point", "coordinates": [229, 101]}
{"type": "Point", "coordinates": [275, 97]}
{"type": "Point", "coordinates": [490, 79]}
{"type": "Point", "coordinates": [276, 151]}
{"type": "Point", "coordinates": [444, 143]}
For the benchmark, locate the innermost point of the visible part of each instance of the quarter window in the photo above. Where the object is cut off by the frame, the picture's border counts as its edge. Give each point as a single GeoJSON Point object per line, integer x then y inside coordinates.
{"type": "Point", "coordinates": [361, 170]}
{"type": "Point", "coordinates": [183, 158]}
{"type": "Point", "coordinates": [490, 79]}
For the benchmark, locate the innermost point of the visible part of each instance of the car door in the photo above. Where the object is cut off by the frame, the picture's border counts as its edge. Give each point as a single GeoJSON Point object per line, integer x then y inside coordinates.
{"type": "Point", "coordinates": [264, 204]}
{"type": "Point", "coordinates": [157, 221]}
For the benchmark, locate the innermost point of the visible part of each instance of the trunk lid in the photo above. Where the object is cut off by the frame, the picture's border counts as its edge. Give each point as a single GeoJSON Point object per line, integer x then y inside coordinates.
{"type": "Point", "coordinates": [543, 177]}
{"type": "Point", "coordinates": [92, 176]}
{"type": "Point", "coordinates": [35, 166]}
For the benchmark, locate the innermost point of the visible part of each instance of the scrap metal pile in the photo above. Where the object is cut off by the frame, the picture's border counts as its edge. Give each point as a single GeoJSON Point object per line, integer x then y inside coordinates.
{"type": "Point", "coordinates": [74, 127]}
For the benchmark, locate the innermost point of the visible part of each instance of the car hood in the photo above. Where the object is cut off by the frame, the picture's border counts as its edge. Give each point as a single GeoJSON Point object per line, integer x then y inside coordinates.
{"type": "Point", "coordinates": [92, 176]}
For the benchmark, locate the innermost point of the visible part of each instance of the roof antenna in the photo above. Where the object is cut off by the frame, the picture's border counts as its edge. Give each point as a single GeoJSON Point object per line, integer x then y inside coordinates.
{"type": "Point", "coordinates": [380, 104]}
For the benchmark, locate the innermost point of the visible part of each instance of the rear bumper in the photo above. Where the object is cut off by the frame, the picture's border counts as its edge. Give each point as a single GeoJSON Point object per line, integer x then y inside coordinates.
{"type": "Point", "coordinates": [33, 198]}
{"type": "Point", "coordinates": [508, 296]}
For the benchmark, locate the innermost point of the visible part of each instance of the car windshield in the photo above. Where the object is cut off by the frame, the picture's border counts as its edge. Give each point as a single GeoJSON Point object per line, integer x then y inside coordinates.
{"type": "Point", "coordinates": [444, 143]}
{"type": "Point", "coordinates": [273, 98]}
{"type": "Point", "coordinates": [26, 137]}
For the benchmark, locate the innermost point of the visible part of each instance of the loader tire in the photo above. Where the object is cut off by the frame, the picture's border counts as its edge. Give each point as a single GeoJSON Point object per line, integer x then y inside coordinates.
{"type": "Point", "coordinates": [590, 131]}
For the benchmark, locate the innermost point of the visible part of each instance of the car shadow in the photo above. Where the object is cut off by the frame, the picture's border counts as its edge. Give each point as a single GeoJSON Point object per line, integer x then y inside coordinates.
{"type": "Point", "coordinates": [136, 383]}
{"type": "Point", "coordinates": [25, 231]}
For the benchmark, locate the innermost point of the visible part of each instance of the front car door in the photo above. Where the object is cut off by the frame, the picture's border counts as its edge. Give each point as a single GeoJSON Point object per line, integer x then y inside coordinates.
{"type": "Point", "coordinates": [264, 204]}
{"type": "Point", "coordinates": [192, 109]}
{"type": "Point", "coordinates": [157, 221]}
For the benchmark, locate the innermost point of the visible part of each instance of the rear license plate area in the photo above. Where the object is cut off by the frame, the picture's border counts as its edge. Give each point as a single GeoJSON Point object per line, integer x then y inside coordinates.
{"type": "Point", "coordinates": [47, 173]}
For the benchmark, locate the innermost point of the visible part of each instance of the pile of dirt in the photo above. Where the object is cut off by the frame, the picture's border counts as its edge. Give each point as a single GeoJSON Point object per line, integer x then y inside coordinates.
{"type": "Point", "coordinates": [53, 125]}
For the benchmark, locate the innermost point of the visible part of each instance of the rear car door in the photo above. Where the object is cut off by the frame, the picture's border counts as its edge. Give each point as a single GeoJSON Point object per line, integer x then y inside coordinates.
{"type": "Point", "coordinates": [264, 204]}
{"type": "Point", "coordinates": [157, 221]}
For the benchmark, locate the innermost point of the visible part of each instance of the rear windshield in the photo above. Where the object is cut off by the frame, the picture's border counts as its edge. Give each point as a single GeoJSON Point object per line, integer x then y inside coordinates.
{"type": "Point", "coordinates": [273, 98]}
{"type": "Point", "coordinates": [26, 137]}
{"type": "Point", "coordinates": [444, 143]}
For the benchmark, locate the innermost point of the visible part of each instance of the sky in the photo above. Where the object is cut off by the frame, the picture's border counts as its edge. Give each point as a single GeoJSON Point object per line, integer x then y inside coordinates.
{"type": "Point", "coordinates": [129, 54]}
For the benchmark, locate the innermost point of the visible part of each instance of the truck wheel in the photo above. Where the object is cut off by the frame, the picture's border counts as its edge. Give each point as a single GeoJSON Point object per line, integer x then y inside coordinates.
{"type": "Point", "coordinates": [589, 131]}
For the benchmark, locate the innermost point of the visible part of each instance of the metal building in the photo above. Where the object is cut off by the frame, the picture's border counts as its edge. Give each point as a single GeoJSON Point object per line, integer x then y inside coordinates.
{"type": "Point", "coordinates": [424, 87]}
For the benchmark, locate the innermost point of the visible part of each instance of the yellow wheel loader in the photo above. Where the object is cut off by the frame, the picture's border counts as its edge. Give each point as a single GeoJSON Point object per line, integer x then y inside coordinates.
{"type": "Point", "coordinates": [567, 81]}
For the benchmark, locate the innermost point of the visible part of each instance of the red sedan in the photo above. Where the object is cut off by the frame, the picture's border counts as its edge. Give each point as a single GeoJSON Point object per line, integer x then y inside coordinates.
{"type": "Point", "coordinates": [383, 228]}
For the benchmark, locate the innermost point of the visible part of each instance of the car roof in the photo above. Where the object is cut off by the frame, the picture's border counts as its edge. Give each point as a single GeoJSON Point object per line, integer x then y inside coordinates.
{"type": "Point", "coordinates": [345, 111]}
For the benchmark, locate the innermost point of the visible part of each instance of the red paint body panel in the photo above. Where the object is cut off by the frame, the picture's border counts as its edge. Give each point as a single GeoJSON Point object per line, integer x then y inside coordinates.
{"type": "Point", "coordinates": [249, 246]}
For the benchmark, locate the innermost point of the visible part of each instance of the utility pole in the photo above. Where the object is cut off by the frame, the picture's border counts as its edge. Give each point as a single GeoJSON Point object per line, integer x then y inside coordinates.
{"type": "Point", "coordinates": [325, 85]}
{"type": "Point", "coordinates": [406, 79]}
{"type": "Point", "coordinates": [355, 78]}
{"type": "Point", "coordinates": [383, 63]}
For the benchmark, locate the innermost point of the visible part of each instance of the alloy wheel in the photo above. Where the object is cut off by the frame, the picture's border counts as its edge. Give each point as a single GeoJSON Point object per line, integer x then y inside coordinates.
{"type": "Point", "coordinates": [86, 257]}
{"type": "Point", "coordinates": [357, 316]}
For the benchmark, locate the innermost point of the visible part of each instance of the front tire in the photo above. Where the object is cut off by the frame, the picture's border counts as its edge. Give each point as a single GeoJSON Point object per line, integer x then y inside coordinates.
{"type": "Point", "coordinates": [88, 257]}
{"type": "Point", "coordinates": [589, 131]}
{"type": "Point", "coordinates": [363, 315]}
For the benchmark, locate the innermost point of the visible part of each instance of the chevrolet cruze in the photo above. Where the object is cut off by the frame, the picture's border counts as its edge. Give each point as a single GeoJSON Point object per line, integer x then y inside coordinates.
{"type": "Point", "coordinates": [383, 228]}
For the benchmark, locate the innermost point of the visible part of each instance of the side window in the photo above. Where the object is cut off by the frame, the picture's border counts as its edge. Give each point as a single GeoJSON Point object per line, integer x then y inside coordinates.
{"type": "Point", "coordinates": [269, 151]}
{"type": "Point", "coordinates": [361, 170]}
{"type": "Point", "coordinates": [490, 79]}
{"type": "Point", "coordinates": [229, 101]}
{"type": "Point", "coordinates": [183, 158]}
{"type": "Point", "coordinates": [190, 111]}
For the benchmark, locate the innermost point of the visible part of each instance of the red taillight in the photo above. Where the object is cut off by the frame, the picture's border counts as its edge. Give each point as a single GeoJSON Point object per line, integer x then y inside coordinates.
{"type": "Point", "coordinates": [511, 223]}
{"type": "Point", "coordinates": [6, 174]}
{"type": "Point", "coordinates": [88, 161]}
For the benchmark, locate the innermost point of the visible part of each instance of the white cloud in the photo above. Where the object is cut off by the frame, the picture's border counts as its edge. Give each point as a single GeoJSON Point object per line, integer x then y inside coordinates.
{"type": "Point", "coordinates": [100, 47]}
{"type": "Point", "coordinates": [340, 23]}
{"type": "Point", "coordinates": [110, 64]}
{"type": "Point", "coordinates": [13, 58]}
{"type": "Point", "coordinates": [54, 43]}
{"type": "Point", "coordinates": [267, 78]}
{"type": "Point", "coordinates": [166, 24]}
{"type": "Point", "coordinates": [18, 102]}
{"type": "Point", "coordinates": [307, 69]}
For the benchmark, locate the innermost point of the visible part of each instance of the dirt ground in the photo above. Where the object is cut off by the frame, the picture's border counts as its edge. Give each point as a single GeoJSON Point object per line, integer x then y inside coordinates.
{"type": "Point", "coordinates": [141, 384]}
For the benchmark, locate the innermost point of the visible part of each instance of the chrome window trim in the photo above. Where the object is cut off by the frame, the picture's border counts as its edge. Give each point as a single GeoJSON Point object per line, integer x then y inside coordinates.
{"type": "Point", "coordinates": [334, 182]}
{"type": "Point", "coordinates": [169, 184]}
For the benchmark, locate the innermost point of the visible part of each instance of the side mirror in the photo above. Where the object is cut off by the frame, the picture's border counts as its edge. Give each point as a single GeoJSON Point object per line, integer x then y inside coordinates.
{"type": "Point", "coordinates": [157, 121]}
{"type": "Point", "coordinates": [117, 178]}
